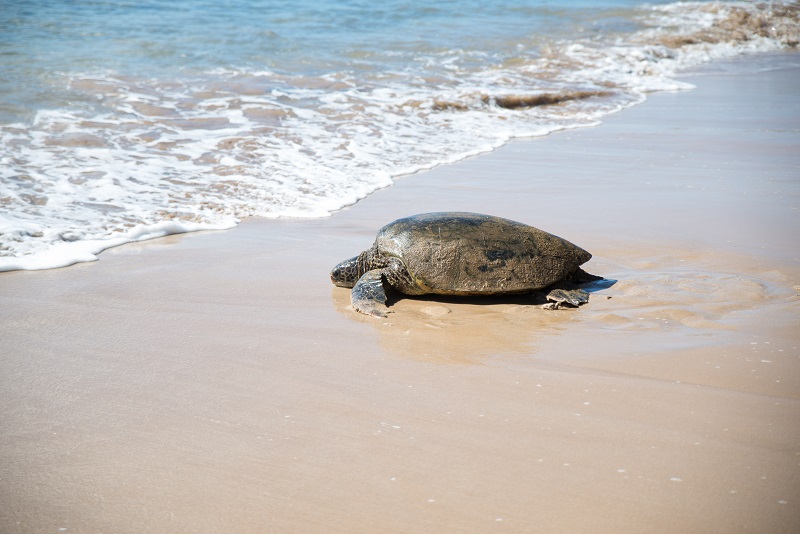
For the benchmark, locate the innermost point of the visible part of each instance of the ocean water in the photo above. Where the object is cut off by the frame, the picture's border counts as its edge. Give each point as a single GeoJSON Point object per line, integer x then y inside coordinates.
{"type": "Point", "coordinates": [123, 120]}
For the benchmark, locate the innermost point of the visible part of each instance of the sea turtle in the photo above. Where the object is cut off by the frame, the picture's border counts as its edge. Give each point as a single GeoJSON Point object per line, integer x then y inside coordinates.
{"type": "Point", "coordinates": [463, 254]}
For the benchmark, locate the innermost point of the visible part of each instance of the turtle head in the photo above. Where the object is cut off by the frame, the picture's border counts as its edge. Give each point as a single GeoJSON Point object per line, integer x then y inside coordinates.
{"type": "Point", "coordinates": [346, 273]}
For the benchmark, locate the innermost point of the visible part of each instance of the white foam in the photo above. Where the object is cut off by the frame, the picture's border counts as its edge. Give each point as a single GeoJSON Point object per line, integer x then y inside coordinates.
{"type": "Point", "coordinates": [65, 253]}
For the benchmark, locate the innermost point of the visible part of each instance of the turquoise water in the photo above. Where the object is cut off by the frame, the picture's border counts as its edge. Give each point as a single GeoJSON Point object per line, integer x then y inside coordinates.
{"type": "Point", "coordinates": [40, 38]}
{"type": "Point", "coordinates": [128, 120]}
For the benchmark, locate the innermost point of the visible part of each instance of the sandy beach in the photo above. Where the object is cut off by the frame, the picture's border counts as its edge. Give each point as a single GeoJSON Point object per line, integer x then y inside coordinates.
{"type": "Point", "coordinates": [218, 382]}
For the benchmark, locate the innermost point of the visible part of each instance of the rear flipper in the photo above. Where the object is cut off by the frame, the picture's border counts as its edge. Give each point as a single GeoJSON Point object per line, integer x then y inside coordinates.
{"type": "Point", "coordinates": [368, 295]}
{"type": "Point", "coordinates": [566, 297]}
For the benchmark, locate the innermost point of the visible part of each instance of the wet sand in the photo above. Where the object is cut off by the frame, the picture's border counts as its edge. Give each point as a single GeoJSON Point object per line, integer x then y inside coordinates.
{"type": "Point", "coordinates": [218, 382]}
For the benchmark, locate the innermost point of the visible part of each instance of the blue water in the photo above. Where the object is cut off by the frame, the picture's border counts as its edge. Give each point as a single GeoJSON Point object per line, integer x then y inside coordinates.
{"type": "Point", "coordinates": [127, 120]}
{"type": "Point", "coordinates": [187, 37]}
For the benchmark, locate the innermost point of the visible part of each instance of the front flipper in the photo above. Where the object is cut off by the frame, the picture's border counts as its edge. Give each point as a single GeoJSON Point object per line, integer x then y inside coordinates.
{"type": "Point", "coordinates": [570, 297]}
{"type": "Point", "coordinates": [368, 295]}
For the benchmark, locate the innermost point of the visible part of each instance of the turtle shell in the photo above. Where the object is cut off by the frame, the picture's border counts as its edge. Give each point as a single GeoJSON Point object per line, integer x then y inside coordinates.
{"type": "Point", "coordinates": [468, 253]}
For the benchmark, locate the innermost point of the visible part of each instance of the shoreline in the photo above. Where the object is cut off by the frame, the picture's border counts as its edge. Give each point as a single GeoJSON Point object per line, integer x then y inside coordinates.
{"type": "Point", "coordinates": [217, 381]}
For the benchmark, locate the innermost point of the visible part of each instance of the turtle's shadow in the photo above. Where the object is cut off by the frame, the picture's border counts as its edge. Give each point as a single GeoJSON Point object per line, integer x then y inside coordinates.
{"type": "Point", "coordinates": [533, 298]}
{"type": "Point", "coordinates": [598, 285]}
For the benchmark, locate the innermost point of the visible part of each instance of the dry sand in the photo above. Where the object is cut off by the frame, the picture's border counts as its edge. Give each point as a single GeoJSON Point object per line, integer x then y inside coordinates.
{"type": "Point", "coordinates": [219, 383]}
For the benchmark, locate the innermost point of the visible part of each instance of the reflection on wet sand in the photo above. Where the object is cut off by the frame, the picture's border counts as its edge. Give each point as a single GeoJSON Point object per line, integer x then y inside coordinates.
{"type": "Point", "coordinates": [464, 329]}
